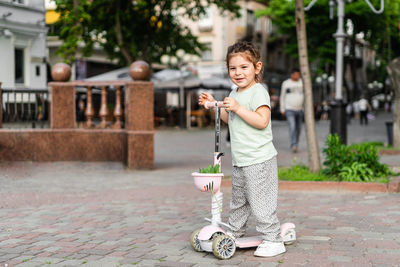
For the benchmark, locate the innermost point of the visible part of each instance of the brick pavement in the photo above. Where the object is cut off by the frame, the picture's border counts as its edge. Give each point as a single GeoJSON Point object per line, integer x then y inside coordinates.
{"type": "Point", "coordinates": [99, 214]}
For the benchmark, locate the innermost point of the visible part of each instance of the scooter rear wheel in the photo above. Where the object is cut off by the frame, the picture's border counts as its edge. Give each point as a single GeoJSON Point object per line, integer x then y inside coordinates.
{"type": "Point", "coordinates": [224, 247]}
{"type": "Point", "coordinates": [194, 240]}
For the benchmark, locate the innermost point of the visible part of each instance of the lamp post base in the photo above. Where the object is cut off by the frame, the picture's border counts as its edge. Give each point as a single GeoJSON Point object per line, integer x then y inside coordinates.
{"type": "Point", "coordinates": [339, 120]}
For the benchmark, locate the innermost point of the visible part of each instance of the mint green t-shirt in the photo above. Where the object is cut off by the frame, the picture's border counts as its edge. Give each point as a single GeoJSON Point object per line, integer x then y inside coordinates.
{"type": "Point", "coordinates": [250, 145]}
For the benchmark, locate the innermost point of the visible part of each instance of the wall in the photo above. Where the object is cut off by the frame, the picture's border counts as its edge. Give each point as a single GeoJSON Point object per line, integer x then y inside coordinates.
{"type": "Point", "coordinates": [25, 23]}
{"type": "Point", "coordinates": [133, 144]}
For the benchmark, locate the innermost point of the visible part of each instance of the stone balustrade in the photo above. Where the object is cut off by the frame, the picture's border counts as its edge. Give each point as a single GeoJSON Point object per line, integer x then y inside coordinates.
{"type": "Point", "coordinates": [128, 137]}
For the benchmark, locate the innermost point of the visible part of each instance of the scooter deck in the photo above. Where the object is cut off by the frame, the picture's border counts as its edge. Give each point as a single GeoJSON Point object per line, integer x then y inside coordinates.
{"type": "Point", "coordinates": [248, 242]}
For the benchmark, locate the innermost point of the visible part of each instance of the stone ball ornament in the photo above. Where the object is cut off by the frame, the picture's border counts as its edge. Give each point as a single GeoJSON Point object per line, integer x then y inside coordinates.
{"type": "Point", "coordinates": [61, 72]}
{"type": "Point", "coordinates": [139, 70]}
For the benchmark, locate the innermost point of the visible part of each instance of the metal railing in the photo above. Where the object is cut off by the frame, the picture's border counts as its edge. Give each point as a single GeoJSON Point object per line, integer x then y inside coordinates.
{"type": "Point", "coordinates": [25, 106]}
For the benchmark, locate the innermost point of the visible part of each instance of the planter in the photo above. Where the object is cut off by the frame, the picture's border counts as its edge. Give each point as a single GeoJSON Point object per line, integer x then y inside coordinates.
{"type": "Point", "coordinates": [203, 181]}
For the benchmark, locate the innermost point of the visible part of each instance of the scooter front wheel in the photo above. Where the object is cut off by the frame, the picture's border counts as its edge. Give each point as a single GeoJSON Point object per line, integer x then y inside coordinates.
{"type": "Point", "coordinates": [224, 247]}
{"type": "Point", "coordinates": [194, 240]}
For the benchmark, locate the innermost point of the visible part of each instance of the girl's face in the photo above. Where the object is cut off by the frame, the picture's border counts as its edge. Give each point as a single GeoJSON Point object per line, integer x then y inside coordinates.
{"type": "Point", "coordinates": [242, 71]}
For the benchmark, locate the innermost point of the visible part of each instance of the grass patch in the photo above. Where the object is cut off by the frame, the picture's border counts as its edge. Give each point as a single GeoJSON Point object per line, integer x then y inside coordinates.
{"type": "Point", "coordinates": [389, 148]}
{"type": "Point", "coordinates": [379, 145]}
{"type": "Point", "coordinates": [302, 173]}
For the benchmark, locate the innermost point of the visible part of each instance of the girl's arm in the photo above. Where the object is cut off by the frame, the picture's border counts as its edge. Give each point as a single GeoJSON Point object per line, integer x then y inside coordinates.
{"type": "Point", "coordinates": [258, 119]}
{"type": "Point", "coordinates": [204, 97]}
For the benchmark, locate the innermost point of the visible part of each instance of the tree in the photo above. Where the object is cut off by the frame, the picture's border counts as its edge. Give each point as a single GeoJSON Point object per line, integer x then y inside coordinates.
{"type": "Point", "coordinates": [312, 140]}
{"type": "Point", "coordinates": [394, 72]}
{"type": "Point", "coordinates": [128, 30]}
{"type": "Point", "coordinates": [380, 30]}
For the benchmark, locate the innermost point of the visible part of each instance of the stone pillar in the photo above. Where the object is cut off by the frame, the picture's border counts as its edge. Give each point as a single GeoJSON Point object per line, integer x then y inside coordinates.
{"type": "Point", "coordinates": [139, 124]}
{"type": "Point", "coordinates": [62, 108]}
{"type": "Point", "coordinates": [139, 106]}
{"type": "Point", "coordinates": [139, 118]}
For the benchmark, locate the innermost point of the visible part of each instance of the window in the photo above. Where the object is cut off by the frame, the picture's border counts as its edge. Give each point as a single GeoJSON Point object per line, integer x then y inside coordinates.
{"type": "Point", "coordinates": [20, 2]}
{"type": "Point", "coordinates": [206, 21]}
{"type": "Point", "coordinates": [207, 54]}
{"type": "Point", "coordinates": [250, 23]}
{"type": "Point", "coordinates": [38, 71]}
{"type": "Point", "coordinates": [19, 65]}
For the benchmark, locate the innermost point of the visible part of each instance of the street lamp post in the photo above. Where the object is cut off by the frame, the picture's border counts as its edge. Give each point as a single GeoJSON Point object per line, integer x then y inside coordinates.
{"type": "Point", "coordinates": [375, 86]}
{"type": "Point", "coordinates": [338, 112]}
{"type": "Point", "coordinates": [179, 60]}
{"type": "Point", "coordinates": [325, 83]}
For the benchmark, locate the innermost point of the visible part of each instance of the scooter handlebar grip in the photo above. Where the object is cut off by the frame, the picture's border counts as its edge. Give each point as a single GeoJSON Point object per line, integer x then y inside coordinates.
{"type": "Point", "coordinates": [209, 105]}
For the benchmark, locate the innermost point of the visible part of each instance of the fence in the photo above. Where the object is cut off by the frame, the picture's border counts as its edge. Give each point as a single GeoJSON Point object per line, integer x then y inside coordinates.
{"type": "Point", "coordinates": [25, 105]}
{"type": "Point", "coordinates": [118, 127]}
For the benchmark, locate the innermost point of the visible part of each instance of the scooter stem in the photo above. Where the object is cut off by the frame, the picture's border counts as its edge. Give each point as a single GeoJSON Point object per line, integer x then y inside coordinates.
{"type": "Point", "coordinates": [216, 208]}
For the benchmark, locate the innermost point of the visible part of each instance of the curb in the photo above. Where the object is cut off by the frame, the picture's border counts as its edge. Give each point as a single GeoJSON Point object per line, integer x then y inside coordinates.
{"type": "Point", "coordinates": [392, 187]}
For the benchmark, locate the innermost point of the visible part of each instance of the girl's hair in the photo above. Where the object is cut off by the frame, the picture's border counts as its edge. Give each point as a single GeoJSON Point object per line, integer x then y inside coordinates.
{"type": "Point", "coordinates": [249, 51]}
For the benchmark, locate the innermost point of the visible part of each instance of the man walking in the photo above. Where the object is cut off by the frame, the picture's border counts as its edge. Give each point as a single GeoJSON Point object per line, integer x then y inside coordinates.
{"type": "Point", "coordinates": [291, 105]}
{"type": "Point", "coordinates": [364, 108]}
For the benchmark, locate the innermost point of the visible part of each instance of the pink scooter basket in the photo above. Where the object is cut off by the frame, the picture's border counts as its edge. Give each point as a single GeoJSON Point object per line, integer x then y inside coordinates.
{"type": "Point", "coordinates": [204, 181]}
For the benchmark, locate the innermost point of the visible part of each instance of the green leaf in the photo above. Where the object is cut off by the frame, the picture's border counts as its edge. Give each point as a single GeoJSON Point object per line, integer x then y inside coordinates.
{"type": "Point", "coordinates": [210, 169]}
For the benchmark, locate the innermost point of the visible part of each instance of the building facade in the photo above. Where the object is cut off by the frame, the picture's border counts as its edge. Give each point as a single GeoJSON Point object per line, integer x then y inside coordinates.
{"type": "Point", "coordinates": [217, 31]}
{"type": "Point", "coordinates": [23, 44]}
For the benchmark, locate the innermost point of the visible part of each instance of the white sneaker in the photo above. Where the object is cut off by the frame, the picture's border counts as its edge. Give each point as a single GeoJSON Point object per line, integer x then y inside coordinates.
{"type": "Point", "coordinates": [270, 249]}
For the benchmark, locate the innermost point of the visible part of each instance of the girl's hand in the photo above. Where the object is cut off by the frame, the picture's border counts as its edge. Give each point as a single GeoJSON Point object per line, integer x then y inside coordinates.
{"type": "Point", "coordinates": [231, 104]}
{"type": "Point", "coordinates": [205, 97]}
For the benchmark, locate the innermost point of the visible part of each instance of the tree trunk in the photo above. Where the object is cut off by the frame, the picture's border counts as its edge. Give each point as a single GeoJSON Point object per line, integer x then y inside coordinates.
{"type": "Point", "coordinates": [312, 141]}
{"type": "Point", "coordinates": [120, 39]}
{"type": "Point", "coordinates": [393, 69]}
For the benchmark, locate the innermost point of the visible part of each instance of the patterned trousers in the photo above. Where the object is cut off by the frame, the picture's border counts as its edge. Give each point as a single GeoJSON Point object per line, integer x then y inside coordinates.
{"type": "Point", "coordinates": [255, 190]}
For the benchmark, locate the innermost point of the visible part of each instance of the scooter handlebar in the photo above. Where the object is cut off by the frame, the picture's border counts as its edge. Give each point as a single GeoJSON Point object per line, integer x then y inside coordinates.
{"type": "Point", "coordinates": [209, 105]}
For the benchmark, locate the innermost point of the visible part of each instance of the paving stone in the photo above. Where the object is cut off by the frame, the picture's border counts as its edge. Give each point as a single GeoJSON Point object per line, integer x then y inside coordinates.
{"type": "Point", "coordinates": [104, 214]}
{"type": "Point", "coordinates": [340, 258]}
{"type": "Point", "coordinates": [10, 241]}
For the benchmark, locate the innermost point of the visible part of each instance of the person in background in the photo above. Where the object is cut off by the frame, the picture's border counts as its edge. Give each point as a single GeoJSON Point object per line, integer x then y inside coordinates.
{"type": "Point", "coordinates": [292, 104]}
{"type": "Point", "coordinates": [349, 112]}
{"type": "Point", "coordinates": [364, 107]}
{"type": "Point", "coordinates": [325, 110]}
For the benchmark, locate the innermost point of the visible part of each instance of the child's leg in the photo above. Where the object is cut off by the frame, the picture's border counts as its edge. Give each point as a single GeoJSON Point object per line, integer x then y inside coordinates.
{"type": "Point", "coordinates": [239, 207]}
{"type": "Point", "coordinates": [262, 194]}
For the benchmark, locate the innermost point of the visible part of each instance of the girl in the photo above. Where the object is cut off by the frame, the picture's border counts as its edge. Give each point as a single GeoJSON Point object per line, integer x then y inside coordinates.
{"type": "Point", "coordinates": [255, 176]}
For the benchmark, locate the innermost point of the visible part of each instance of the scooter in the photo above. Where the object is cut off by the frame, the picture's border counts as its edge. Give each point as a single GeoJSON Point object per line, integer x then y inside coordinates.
{"type": "Point", "coordinates": [213, 237]}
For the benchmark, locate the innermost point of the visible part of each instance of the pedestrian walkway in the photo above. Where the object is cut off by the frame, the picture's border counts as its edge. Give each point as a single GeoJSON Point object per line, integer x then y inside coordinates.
{"type": "Point", "coordinates": [195, 148]}
{"type": "Point", "coordinates": [100, 214]}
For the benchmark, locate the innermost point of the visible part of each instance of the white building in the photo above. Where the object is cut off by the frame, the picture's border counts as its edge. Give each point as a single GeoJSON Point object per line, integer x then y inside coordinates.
{"type": "Point", "coordinates": [23, 44]}
{"type": "Point", "coordinates": [218, 31]}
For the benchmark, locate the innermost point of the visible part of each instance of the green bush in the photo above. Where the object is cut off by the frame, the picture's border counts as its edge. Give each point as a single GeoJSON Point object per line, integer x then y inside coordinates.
{"type": "Point", "coordinates": [357, 172]}
{"type": "Point", "coordinates": [358, 162]}
{"type": "Point", "coordinates": [337, 155]}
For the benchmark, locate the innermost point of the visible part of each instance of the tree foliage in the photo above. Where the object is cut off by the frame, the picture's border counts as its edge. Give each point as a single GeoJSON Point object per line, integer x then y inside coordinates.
{"type": "Point", "coordinates": [128, 30]}
{"type": "Point", "coordinates": [380, 30]}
